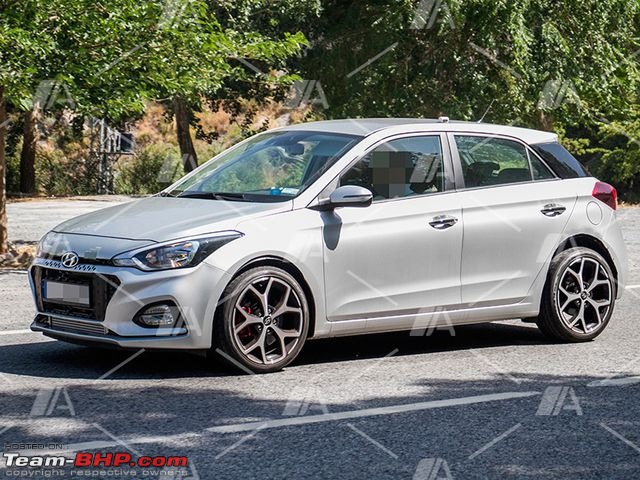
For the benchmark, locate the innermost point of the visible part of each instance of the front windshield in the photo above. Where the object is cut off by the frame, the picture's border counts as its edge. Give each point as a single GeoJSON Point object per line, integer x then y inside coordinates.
{"type": "Point", "coordinates": [275, 166]}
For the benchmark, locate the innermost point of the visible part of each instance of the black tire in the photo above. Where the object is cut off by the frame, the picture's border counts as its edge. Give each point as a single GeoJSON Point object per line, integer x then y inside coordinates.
{"type": "Point", "coordinates": [244, 304]}
{"type": "Point", "coordinates": [590, 320]}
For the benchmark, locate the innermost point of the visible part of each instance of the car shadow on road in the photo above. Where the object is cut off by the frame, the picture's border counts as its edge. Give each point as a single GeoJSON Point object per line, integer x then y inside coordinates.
{"type": "Point", "coordinates": [420, 342]}
{"type": "Point", "coordinates": [52, 359]}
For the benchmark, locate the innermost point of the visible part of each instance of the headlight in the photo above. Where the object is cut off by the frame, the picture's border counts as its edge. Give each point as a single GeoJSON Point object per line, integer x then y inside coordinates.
{"type": "Point", "coordinates": [49, 245]}
{"type": "Point", "coordinates": [179, 254]}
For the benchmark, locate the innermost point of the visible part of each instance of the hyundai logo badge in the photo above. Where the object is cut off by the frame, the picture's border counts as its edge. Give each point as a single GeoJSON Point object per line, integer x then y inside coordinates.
{"type": "Point", "coordinates": [69, 259]}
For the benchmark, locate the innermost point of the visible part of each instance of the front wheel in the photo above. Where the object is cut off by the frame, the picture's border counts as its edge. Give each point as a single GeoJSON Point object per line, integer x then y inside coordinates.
{"type": "Point", "coordinates": [579, 296]}
{"type": "Point", "coordinates": [263, 322]}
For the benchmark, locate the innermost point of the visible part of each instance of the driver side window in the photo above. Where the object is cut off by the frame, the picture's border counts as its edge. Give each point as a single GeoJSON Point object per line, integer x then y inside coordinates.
{"type": "Point", "coordinates": [400, 168]}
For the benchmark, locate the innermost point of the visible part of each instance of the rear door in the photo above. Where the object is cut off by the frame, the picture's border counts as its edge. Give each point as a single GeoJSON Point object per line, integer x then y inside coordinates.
{"type": "Point", "coordinates": [514, 211]}
{"type": "Point", "coordinates": [401, 255]}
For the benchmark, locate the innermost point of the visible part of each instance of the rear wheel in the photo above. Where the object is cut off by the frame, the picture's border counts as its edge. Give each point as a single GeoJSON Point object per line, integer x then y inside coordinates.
{"type": "Point", "coordinates": [263, 324]}
{"type": "Point", "coordinates": [579, 296]}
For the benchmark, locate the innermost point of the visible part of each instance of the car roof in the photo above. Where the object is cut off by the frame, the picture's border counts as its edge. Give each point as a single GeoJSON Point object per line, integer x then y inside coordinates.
{"type": "Point", "coordinates": [367, 126]}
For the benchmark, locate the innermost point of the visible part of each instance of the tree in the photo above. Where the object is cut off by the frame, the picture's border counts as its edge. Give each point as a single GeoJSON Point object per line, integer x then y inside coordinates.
{"type": "Point", "coordinates": [196, 56]}
{"type": "Point", "coordinates": [569, 66]}
{"type": "Point", "coordinates": [111, 57]}
{"type": "Point", "coordinates": [61, 44]}
{"type": "Point", "coordinates": [47, 47]}
{"type": "Point", "coordinates": [20, 48]}
{"type": "Point", "coordinates": [458, 57]}
{"type": "Point", "coordinates": [269, 19]}
{"type": "Point", "coordinates": [4, 236]}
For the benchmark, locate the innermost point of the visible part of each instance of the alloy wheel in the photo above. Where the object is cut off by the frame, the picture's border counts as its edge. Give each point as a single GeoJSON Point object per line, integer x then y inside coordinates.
{"type": "Point", "coordinates": [268, 320]}
{"type": "Point", "coordinates": [584, 295]}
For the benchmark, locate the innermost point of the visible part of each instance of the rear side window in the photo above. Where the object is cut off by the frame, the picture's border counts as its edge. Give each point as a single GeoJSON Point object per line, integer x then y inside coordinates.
{"type": "Point", "coordinates": [560, 160]}
{"type": "Point", "coordinates": [488, 161]}
{"type": "Point", "coordinates": [540, 170]}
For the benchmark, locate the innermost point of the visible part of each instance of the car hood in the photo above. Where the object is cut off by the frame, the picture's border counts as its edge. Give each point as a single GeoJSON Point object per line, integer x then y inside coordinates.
{"type": "Point", "coordinates": [158, 219]}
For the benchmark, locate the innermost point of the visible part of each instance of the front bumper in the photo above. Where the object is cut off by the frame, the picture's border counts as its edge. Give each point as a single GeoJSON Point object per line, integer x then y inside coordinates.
{"type": "Point", "coordinates": [119, 293]}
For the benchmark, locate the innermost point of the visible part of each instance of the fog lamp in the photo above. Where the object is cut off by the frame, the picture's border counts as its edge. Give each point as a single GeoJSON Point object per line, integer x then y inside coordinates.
{"type": "Point", "coordinates": [159, 315]}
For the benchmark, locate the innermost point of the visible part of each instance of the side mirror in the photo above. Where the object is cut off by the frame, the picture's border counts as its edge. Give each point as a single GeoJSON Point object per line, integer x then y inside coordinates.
{"type": "Point", "coordinates": [347, 196]}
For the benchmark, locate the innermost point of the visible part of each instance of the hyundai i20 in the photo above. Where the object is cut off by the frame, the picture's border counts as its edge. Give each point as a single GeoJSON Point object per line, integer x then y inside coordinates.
{"type": "Point", "coordinates": [340, 228]}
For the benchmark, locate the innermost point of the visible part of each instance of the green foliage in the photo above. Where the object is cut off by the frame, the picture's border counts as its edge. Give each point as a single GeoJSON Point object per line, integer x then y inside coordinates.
{"type": "Point", "coordinates": [150, 171]}
{"type": "Point", "coordinates": [112, 56]}
{"type": "Point", "coordinates": [13, 173]}
{"type": "Point", "coordinates": [618, 158]}
{"type": "Point", "coordinates": [569, 66]}
{"type": "Point", "coordinates": [477, 53]}
{"type": "Point", "coordinates": [63, 175]}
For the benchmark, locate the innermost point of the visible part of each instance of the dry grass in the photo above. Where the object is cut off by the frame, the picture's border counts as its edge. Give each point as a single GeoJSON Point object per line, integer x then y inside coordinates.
{"type": "Point", "coordinates": [20, 256]}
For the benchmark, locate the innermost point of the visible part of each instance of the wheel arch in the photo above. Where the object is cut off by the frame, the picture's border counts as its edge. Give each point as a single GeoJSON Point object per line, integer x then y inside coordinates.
{"type": "Point", "coordinates": [292, 269]}
{"type": "Point", "coordinates": [591, 242]}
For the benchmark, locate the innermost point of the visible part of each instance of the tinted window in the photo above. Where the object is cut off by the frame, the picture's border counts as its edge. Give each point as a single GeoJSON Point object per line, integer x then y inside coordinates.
{"type": "Point", "coordinates": [400, 168]}
{"type": "Point", "coordinates": [540, 170]}
{"type": "Point", "coordinates": [560, 160]}
{"type": "Point", "coordinates": [490, 161]}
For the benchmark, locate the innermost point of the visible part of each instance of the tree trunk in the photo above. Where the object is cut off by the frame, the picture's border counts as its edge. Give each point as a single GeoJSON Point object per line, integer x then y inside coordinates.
{"type": "Point", "coordinates": [28, 154]}
{"type": "Point", "coordinates": [4, 237]}
{"type": "Point", "coordinates": [545, 122]}
{"type": "Point", "coordinates": [182, 111]}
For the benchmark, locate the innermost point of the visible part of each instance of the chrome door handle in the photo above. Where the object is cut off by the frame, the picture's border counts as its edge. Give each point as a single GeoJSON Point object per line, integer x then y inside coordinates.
{"type": "Point", "coordinates": [441, 222]}
{"type": "Point", "coordinates": [553, 209]}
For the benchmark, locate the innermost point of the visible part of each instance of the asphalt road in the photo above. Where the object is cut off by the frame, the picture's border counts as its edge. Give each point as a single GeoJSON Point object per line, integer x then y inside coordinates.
{"type": "Point", "coordinates": [494, 401]}
{"type": "Point", "coordinates": [29, 220]}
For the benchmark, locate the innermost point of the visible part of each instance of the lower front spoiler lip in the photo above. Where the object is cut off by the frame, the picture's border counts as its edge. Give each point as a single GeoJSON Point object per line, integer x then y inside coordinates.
{"type": "Point", "coordinates": [151, 342]}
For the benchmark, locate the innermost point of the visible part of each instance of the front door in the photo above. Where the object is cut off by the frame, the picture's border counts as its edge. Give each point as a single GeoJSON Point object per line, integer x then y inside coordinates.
{"type": "Point", "coordinates": [401, 255]}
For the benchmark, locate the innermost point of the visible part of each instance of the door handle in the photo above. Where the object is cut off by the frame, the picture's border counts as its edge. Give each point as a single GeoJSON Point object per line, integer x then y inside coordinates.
{"type": "Point", "coordinates": [440, 222]}
{"type": "Point", "coordinates": [553, 209]}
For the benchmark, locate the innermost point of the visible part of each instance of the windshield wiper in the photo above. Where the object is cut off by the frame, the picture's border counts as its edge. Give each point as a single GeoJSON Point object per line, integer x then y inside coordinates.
{"type": "Point", "coordinates": [213, 195]}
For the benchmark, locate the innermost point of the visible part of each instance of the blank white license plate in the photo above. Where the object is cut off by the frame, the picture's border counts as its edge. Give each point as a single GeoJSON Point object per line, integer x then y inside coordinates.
{"type": "Point", "coordinates": [66, 292]}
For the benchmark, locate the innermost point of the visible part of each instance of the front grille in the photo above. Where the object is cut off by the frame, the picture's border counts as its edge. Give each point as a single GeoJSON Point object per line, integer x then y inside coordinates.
{"type": "Point", "coordinates": [76, 326]}
{"type": "Point", "coordinates": [83, 260]}
{"type": "Point", "coordinates": [101, 290]}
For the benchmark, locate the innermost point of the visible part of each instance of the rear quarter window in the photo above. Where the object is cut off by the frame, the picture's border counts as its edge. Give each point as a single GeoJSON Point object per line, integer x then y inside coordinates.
{"type": "Point", "coordinates": [560, 160]}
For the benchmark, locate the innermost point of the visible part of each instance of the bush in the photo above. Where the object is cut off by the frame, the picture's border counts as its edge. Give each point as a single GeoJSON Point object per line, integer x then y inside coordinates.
{"type": "Point", "coordinates": [151, 170]}
{"type": "Point", "coordinates": [66, 171]}
{"type": "Point", "coordinates": [59, 172]}
{"type": "Point", "coordinates": [617, 160]}
{"type": "Point", "coordinates": [13, 172]}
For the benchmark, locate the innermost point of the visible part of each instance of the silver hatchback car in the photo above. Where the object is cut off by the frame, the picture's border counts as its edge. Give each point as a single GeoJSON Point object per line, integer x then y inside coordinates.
{"type": "Point", "coordinates": [341, 228]}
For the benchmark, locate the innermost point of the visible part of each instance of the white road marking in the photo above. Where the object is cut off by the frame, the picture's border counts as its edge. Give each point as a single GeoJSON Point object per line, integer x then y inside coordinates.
{"type": "Point", "coordinates": [118, 440]}
{"type": "Point", "coordinates": [15, 332]}
{"type": "Point", "coordinates": [631, 287]}
{"type": "Point", "coordinates": [615, 382]}
{"type": "Point", "coordinates": [602, 382]}
{"type": "Point", "coordinates": [370, 412]}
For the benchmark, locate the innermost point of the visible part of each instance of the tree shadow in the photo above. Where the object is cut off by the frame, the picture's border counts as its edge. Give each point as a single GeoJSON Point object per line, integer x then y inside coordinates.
{"type": "Point", "coordinates": [174, 420]}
